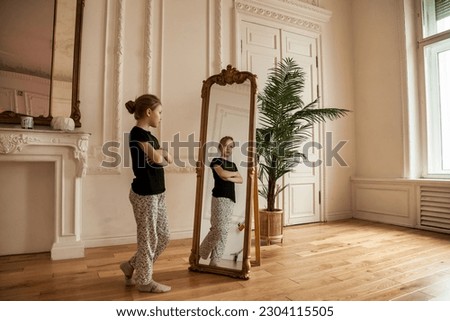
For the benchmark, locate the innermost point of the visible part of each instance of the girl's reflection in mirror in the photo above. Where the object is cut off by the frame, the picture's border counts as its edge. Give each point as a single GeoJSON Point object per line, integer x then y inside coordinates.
{"type": "Point", "coordinates": [226, 175]}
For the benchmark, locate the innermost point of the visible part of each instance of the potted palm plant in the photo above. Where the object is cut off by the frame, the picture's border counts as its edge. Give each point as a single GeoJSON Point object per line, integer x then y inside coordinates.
{"type": "Point", "coordinates": [285, 123]}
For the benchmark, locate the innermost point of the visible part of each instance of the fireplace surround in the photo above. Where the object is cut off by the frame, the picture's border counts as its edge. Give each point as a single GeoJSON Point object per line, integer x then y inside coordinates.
{"type": "Point", "coordinates": [68, 152]}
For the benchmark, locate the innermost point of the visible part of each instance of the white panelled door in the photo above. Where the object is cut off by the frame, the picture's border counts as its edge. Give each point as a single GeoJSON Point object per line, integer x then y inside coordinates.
{"type": "Point", "coordinates": [260, 51]}
{"type": "Point", "coordinates": [302, 194]}
{"type": "Point", "coordinates": [261, 48]}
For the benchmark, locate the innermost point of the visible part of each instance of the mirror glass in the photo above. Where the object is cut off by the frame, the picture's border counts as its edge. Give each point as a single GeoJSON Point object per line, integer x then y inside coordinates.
{"type": "Point", "coordinates": [39, 59]}
{"type": "Point", "coordinates": [221, 227]}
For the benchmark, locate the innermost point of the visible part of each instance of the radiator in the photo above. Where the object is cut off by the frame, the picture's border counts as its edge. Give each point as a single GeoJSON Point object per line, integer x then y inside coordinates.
{"type": "Point", "coordinates": [435, 208]}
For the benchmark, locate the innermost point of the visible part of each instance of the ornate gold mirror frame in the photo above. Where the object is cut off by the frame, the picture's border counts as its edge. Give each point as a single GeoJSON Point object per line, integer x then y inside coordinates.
{"type": "Point", "coordinates": [227, 78]}
{"type": "Point", "coordinates": [65, 40]}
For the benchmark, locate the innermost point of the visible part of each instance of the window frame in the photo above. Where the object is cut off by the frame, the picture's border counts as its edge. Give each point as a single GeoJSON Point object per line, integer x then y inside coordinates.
{"type": "Point", "coordinates": [431, 145]}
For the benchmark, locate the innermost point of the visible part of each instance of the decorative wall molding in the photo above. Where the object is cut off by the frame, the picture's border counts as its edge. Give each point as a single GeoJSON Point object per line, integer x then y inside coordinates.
{"type": "Point", "coordinates": [395, 200]}
{"type": "Point", "coordinates": [148, 45]}
{"type": "Point", "coordinates": [392, 201]}
{"type": "Point", "coordinates": [381, 201]}
{"type": "Point", "coordinates": [118, 76]}
{"type": "Point", "coordinates": [301, 3]}
{"type": "Point", "coordinates": [112, 87]}
{"type": "Point", "coordinates": [273, 15]}
{"type": "Point", "coordinates": [220, 63]}
{"type": "Point", "coordinates": [215, 36]}
{"type": "Point", "coordinates": [294, 13]}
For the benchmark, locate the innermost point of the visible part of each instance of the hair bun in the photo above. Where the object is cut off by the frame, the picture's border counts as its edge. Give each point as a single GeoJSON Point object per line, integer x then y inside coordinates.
{"type": "Point", "coordinates": [130, 106]}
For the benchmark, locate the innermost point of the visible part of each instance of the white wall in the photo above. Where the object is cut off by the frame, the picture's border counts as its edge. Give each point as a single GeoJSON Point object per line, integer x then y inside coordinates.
{"type": "Point", "coordinates": [380, 107]}
{"type": "Point", "coordinates": [378, 43]}
{"type": "Point", "coordinates": [338, 91]}
{"type": "Point", "coordinates": [364, 70]}
{"type": "Point", "coordinates": [387, 186]}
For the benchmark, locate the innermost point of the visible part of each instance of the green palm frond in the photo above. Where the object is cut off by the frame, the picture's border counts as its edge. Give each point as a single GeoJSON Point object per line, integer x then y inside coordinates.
{"type": "Point", "coordinates": [285, 123]}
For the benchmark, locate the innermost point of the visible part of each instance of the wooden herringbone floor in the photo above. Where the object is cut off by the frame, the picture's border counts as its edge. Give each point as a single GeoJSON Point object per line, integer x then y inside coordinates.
{"type": "Point", "coordinates": [344, 260]}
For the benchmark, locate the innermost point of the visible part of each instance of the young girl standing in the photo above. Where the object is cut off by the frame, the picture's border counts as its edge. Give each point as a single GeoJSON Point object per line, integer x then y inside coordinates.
{"type": "Point", "coordinates": [222, 203]}
{"type": "Point", "coordinates": [147, 194]}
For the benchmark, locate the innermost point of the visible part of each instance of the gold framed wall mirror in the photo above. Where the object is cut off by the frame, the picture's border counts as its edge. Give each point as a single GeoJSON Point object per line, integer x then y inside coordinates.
{"type": "Point", "coordinates": [40, 60]}
{"type": "Point", "coordinates": [228, 110]}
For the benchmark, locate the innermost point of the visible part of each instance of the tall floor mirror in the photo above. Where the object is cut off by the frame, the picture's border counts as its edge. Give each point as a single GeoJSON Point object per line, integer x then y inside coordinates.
{"type": "Point", "coordinates": [228, 110]}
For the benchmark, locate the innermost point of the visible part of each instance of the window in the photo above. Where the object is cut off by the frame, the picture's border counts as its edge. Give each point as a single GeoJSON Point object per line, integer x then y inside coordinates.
{"type": "Point", "coordinates": [434, 46]}
{"type": "Point", "coordinates": [435, 17]}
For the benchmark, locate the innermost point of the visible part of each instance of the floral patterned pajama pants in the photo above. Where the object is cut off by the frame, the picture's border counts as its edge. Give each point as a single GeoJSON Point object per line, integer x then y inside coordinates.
{"type": "Point", "coordinates": [152, 233]}
{"type": "Point", "coordinates": [214, 242]}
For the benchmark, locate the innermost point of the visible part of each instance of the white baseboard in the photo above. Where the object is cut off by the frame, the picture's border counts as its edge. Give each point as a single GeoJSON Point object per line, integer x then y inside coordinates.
{"type": "Point", "coordinates": [67, 250]}
{"type": "Point", "coordinates": [336, 216]}
{"type": "Point", "coordinates": [130, 239]}
{"type": "Point", "coordinates": [109, 241]}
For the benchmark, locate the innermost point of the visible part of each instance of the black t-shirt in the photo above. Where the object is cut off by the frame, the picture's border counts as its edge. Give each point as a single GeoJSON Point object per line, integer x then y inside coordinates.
{"type": "Point", "coordinates": [223, 188]}
{"type": "Point", "coordinates": [149, 178]}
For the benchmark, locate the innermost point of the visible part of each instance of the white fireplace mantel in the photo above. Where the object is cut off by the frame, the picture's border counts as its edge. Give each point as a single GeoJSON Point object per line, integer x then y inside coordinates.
{"type": "Point", "coordinates": [68, 152]}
